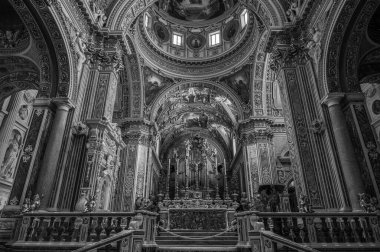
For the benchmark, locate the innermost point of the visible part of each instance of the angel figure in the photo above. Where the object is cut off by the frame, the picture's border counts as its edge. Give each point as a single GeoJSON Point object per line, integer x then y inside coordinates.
{"type": "Point", "coordinates": [80, 48]}
{"type": "Point", "coordinates": [314, 45]}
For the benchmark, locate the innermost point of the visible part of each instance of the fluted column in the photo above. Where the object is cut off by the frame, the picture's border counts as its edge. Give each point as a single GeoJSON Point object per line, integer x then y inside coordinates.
{"type": "Point", "coordinates": [348, 161]}
{"type": "Point", "coordinates": [50, 161]}
{"type": "Point", "coordinates": [3, 109]}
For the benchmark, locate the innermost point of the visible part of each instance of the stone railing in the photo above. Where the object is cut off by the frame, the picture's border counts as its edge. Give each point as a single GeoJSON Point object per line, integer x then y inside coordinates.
{"type": "Point", "coordinates": [271, 243]}
{"type": "Point", "coordinates": [70, 230]}
{"type": "Point", "coordinates": [312, 229]}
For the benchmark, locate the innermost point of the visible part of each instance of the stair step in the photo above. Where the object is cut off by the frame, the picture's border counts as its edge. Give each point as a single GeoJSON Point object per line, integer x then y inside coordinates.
{"type": "Point", "coordinates": [165, 238]}
{"type": "Point", "coordinates": [196, 242]}
{"type": "Point", "coordinates": [197, 248]}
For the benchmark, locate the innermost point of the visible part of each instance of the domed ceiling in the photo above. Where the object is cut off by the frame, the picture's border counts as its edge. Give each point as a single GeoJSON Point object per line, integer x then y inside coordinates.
{"type": "Point", "coordinates": [195, 10]}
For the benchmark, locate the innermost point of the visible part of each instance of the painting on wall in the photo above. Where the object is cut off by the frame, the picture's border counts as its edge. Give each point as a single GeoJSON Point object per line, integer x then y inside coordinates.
{"type": "Point", "coordinates": [240, 83]}
{"type": "Point", "coordinates": [154, 83]}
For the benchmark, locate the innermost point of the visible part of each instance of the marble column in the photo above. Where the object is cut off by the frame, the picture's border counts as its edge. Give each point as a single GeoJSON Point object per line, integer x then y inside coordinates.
{"type": "Point", "coordinates": [348, 161]}
{"type": "Point", "coordinates": [3, 109]}
{"type": "Point", "coordinates": [50, 161]}
{"type": "Point", "coordinates": [9, 122]}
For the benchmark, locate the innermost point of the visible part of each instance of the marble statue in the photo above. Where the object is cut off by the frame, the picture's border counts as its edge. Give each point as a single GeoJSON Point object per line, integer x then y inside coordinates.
{"type": "Point", "coordinates": [80, 48]}
{"type": "Point", "coordinates": [10, 158]}
{"type": "Point", "coordinates": [314, 45]}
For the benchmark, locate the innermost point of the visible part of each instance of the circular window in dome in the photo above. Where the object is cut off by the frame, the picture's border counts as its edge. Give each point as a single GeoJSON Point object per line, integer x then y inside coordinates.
{"type": "Point", "coordinates": [195, 41]}
{"type": "Point", "coordinates": [161, 32]}
{"type": "Point", "coordinates": [231, 30]}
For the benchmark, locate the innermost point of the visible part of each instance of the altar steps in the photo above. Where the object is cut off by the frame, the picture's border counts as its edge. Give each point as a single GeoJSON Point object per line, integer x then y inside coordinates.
{"type": "Point", "coordinates": [196, 241]}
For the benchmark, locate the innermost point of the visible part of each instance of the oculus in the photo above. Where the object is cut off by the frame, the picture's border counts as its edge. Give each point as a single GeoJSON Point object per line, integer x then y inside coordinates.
{"type": "Point", "coordinates": [376, 107]}
{"type": "Point", "coordinates": [231, 30]}
{"type": "Point", "coordinates": [196, 10]}
{"type": "Point", "coordinates": [161, 32]}
{"type": "Point", "coordinates": [195, 41]}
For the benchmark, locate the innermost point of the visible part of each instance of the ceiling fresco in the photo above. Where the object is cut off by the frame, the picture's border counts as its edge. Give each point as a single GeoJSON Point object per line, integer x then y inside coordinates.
{"type": "Point", "coordinates": [195, 10]}
{"type": "Point", "coordinates": [13, 33]}
{"type": "Point", "coordinates": [240, 83]}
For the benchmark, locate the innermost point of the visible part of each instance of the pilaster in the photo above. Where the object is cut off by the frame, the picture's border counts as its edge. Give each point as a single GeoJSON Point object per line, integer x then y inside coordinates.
{"type": "Point", "coordinates": [27, 169]}
{"type": "Point", "coordinates": [101, 169]}
{"type": "Point", "coordinates": [138, 135]}
{"type": "Point", "coordinates": [257, 147]}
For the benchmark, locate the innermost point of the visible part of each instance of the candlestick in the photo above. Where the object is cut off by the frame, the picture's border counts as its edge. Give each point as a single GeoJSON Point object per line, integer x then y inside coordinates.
{"type": "Point", "coordinates": [167, 182]}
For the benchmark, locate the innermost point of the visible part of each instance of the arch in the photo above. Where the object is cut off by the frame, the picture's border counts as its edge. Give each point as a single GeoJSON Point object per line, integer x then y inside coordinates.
{"type": "Point", "coordinates": [124, 13]}
{"type": "Point", "coordinates": [16, 74]}
{"type": "Point", "coordinates": [56, 61]}
{"type": "Point", "coordinates": [217, 85]}
{"type": "Point", "coordinates": [341, 50]}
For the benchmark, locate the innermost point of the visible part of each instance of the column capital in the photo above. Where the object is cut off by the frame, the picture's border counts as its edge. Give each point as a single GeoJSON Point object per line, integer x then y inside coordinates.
{"type": "Point", "coordinates": [332, 99]}
{"type": "Point", "coordinates": [63, 103]}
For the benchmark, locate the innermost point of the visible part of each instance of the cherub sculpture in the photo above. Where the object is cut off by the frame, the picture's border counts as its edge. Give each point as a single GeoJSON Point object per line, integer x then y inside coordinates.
{"type": "Point", "coordinates": [304, 204]}
{"type": "Point", "coordinates": [367, 203]}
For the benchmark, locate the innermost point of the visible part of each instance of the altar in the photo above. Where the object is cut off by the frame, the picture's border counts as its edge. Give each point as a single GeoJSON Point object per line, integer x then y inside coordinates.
{"type": "Point", "coordinates": [197, 219]}
{"type": "Point", "coordinates": [196, 194]}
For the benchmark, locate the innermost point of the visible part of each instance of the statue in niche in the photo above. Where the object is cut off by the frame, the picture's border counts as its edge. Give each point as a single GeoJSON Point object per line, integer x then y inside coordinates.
{"type": "Point", "coordinates": [11, 154]}
{"type": "Point", "coordinates": [23, 112]}
{"type": "Point", "coordinates": [203, 120]}
{"type": "Point", "coordinates": [80, 48]}
{"type": "Point", "coordinates": [314, 45]}
{"type": "Point", "coordinates": [293, 11]}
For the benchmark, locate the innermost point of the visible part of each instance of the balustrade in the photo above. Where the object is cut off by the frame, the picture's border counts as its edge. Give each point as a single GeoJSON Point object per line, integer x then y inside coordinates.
{"type": "Point", "coordinates": [314, 229]}
{"type": "Point", "coordinates": [324, 227]}
{"type": "Point", "coordinates": [70, 228]}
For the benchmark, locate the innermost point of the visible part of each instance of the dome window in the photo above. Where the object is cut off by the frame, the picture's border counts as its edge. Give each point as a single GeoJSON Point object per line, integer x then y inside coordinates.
{"type": "Point", "coordinates": [244, 18]}
{"type": "Point", "coordinates": [147, 20]}
{"type": "Point", "coordinates": [214, 38]}
{"type": "Point", "coordinates": [177, 39]}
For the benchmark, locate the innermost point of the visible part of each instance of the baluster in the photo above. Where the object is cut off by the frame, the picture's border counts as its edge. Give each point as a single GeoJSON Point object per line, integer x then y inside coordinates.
{"type": "Point", "coordinates": [77, 228]}
{"type": "Point", "coordinates": [300, 230]}
{"type": "Point", "coordinates": [125, 222]}
{"type": "Point", "coordinates": [291, 226]}
{"type": "Point", "coordinates": [270, 224]}
{"type": "Point", "coordinates": [347, 230]}
{"type": "Point", "coordinates": [25, 229]}
{"type": "Point", "coordinates": [369, 230]}
{"type": "Point", "coordinates": [285, 228]}
{"type": "Point", "coordinates": [335, 230]}
{"type": "Point", "coordinates": [118, 227]}
{"type": "Point", "coordinates": [36, 229]}
{"type": "Point", "coordinates": [70, 229]}
{"type": "Point", "coordinates": [91, 228]}
{"type": "Point", "coordinates": [330, 227]}
{"type": "Point", "coordinates": [265, 221]}
{"type": "Point", "coordinates": [325, 231]}
{"type": "Point", "coordinates": [352, 224]}
{"type": "Point", "coordinates": [359, 230]}
{"type": "Point", "coordinates": [99, 228]}
{"type": "Point", "coordinates": [312, 229]}
{"type": "Point", "coordinates": [49, 229]}
{"type": "Point", "coordinates": [108, 226]}
{"type": "Point", "coordinates": [373, 220]}
{"type": "Point", "coordinates": [61, 229]}
{"type": "Point", "coordinates": [83, 228]}
{"type": "Point", "coordinates": [277, 225]}
{"type": "Point", "coordinates": [363, 225]}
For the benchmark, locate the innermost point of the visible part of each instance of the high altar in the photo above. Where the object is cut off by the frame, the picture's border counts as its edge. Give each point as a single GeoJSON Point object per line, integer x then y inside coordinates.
{"type": "Point", "coordinates": [196, 188]}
